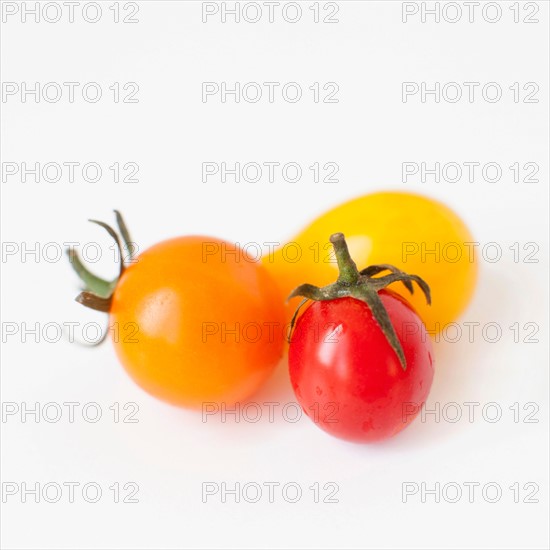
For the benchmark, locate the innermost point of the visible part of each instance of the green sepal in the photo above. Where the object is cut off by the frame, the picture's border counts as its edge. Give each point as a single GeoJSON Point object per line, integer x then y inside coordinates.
{"type": "Point", "coordinates": [92, 283]}
{"type": "Point", "coordinates": [363, 286]}
{"type": "Point", "coordinates": [98, 292]}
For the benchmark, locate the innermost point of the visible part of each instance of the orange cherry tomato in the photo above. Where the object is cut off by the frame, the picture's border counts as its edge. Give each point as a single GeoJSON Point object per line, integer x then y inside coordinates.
{"type": "Point", "coordinates": [209, 326]}
{"type": "Point", "coordinates": [197, 320]}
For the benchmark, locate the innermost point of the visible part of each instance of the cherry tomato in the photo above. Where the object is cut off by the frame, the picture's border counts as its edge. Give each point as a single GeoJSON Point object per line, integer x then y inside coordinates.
{"type": "Point", "coordinates": [345, 374]}
{"type": "Point", "coordinates": [360, 360]}
{"type": "Point", "coordinates": [412, 232]}
{"type": "Point", "coordinates": [197, 321]}
{"type": "Point", "coordinates": [204, 331]}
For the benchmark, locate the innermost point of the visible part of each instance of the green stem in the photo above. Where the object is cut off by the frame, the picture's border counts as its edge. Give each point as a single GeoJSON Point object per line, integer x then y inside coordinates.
{"type": "Point", "coordinates": [125, 234]}
{"type": "Point", "coordinates": [93, 283]}
{"type": "Point", "coordinates": [363, 286]}
{"type": "Point", "coordinates": [348, 272]}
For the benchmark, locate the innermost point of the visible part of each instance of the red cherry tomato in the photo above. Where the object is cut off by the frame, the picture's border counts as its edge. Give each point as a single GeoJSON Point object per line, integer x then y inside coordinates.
{"type": "Point", "coordinates": [348, 378]}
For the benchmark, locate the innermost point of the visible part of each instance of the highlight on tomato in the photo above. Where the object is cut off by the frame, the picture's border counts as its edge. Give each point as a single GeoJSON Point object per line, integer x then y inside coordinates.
{"type": "Point", "coordinates": [360, 360]}
{"type": "Point", "coordinates": [197, 319]}
{"type": "Point", "coordinates": [415, 233]}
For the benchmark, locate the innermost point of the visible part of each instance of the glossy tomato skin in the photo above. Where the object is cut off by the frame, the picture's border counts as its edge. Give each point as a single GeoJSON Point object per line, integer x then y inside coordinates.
{"type": "Point", "coordinates": [193, 317]}
{"type": "Point", "coordinates": [345, 374]}
{"type": "Point", "coordinates": [415, 233]}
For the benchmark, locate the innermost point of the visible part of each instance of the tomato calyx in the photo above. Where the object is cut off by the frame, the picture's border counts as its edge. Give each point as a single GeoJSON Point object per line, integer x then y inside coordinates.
{"type": "Point", "coordinates": [98, 292]}
{"type": "Point", "coordinates": [364, 286]}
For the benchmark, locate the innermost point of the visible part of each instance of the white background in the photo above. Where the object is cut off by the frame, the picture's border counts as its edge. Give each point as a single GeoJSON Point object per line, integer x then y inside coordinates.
{"type": "Point", "coordinates": [169, 453]}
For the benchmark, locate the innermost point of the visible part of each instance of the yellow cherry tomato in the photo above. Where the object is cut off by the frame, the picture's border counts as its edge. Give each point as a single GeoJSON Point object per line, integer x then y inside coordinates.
{"type": "Point", "coordinates": [414, 233]}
